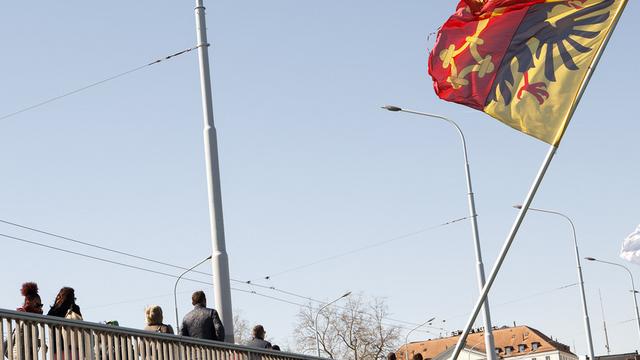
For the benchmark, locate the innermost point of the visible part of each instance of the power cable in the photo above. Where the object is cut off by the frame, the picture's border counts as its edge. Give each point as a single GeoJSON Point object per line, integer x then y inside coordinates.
{"type": "Point", "coordinates": [249, 282]}
{"type": "Point", "coordinates": [149, 270]}
{"type": "Point", "coordinates": [253, 292]}
{"type": "Point", "coordinates": [366, 247]}
{"type": "Point", "coordinates": [113, 77]}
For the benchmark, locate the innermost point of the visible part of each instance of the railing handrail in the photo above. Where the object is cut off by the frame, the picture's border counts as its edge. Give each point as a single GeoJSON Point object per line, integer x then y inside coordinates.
{"type": "Point", "coordinates": [23, 316]}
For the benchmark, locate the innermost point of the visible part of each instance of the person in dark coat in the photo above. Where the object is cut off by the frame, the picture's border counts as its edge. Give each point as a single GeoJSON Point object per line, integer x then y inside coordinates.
{"type": "Point", "coordinates": [202, 322]}
{"type": "Point", "coordinates": [258, 340]}
{"type": "Point", "coordinates": [65, 304]}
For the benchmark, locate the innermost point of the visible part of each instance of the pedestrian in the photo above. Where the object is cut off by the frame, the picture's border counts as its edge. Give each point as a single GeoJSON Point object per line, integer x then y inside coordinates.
{"type": "Point", "coordinates": [31, 304]}
{"type": "Point", "coordinates": [391, 356]}
{"type": "Point", "coordinates": [202, 322]}
{"type": "Point", "coordinates": [153, 315]}
{"type": "Point", "coordinates": [258, 340]}
{"type": "Point", "coordinates": [65, 305]}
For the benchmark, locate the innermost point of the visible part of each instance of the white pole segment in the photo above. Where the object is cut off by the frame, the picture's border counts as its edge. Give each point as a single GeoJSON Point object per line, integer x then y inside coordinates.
{"type": "Point", "coordinates": [220, 260]}
{"type": "Point", "coordinates": [536, 184]}
{"type": "Point", "coordinates": [488, 328]}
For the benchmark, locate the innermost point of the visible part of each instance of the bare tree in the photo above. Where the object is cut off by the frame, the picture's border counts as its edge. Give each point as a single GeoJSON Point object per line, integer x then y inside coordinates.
{"type": "Point", "coordinates": [240, 328]}
{"type": "Point", "coordinates": [355, 331]}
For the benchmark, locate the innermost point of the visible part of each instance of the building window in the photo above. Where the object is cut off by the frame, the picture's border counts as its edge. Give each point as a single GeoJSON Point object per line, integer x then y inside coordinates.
{"type": "Point", "coordinates": [547, 357]}
{"type": "Point", "coordinates": [535, 345]}
{"type": "Point", "coordinates": [522, 347]}
{"type": "Point", "coordinates": [508, 350]}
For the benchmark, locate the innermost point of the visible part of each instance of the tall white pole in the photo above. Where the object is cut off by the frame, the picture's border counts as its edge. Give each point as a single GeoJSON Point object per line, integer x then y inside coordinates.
{"type": "Point", "coordinates": [488, 328]}
{"type": "Point", "coordinates": [587, 324]}
{"type": "Point", "coordinates": [220, 260]}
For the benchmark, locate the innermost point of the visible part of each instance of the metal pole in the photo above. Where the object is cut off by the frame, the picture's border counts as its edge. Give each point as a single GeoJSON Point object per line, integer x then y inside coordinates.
{"type": "Point", "coordinates": [220, 263]}
{"type": "Point", "coordinates": [587, 324]}
{"type": "Point", "coordinates": [633, 286]}
{"type": "Point", "coordinates": [406, 338]}
{"type": "Point", "coordinates": [488, 328]}
{"type": "Point", "coordinates": [538, 180]}
{"type": "Point", "coordinates": [175, 292]}
{"type": "Point", "coordinates": [318, 313]}
{"type": "Point", "coordinates": [604, 325]}
{"type": "Point", "coordinates": [504, 251]}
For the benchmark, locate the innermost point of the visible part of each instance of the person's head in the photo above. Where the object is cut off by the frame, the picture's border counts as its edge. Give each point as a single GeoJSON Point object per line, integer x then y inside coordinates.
{"type": "Point", "coordinates": [65, 299]}
{"type": "Point", "coordinates": [198, 298]}
{"type": "Point", "coordinates": [391, 356]}
{"type": "Point", "coordinates": [153, 314]}
{"type": "Point", "coordinates": [275, 347]}
{"type": "Point", "coordinates": [32, 301]}
{"type": "Point", "coordinates": [417, 356]}
{"type": "Point", "coordinates": [258, 332]}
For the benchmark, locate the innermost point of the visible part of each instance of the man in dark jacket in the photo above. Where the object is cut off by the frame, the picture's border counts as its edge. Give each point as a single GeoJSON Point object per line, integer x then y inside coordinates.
{"type": "Point", "coordinates": [202, 322]}
{"type": "Point", "coordinates": [258, 340]}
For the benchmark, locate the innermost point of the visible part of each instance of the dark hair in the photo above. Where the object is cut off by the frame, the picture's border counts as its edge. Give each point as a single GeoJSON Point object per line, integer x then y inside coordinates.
{"type": "Point", "coordinates": [417, 356]}
{"type": "Point", "coordinates": [198, 297]}
{"type": "Point", "coordinates": [29, 290]}
{"type": "Point", "coordinates": [258, 332]}
{"type": "Point", "coordinates": [32, 302]}
{"type": "Point", "coordinates": [65, 300]}
{"type": "Point", "coordinates": [391, 356]}
{"type": "Point", "coordinates": [275, 347]}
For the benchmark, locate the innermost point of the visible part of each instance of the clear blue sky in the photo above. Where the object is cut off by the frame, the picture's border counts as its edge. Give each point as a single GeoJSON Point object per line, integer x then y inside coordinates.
{"type": "Point", "coordinates": [310, 165]}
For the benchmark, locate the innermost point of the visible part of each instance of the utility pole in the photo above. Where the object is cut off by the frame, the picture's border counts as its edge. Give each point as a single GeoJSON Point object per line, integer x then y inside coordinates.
{"type": "Point", "coordinates": [220, 260]}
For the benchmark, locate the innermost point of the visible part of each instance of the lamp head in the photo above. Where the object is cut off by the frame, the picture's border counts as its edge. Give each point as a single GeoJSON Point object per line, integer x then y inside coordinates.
{"type": "Point", "coordinates": [590, 258]}
{"type": "Point", "coordinates": [346, 294]}
{"type": "Point", "coordinates": [518, 206]}
{"type": "Point", "coordinates": [392, 108]}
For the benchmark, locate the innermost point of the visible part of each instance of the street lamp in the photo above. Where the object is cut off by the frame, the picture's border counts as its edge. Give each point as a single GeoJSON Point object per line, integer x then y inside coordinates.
{"type": "Point", "coordinates": [587, 325]}
{"type": "Point", "coordinates": [316, 321]}
{"type": "Point", "coordinates": [633, 286]}
{"type": "Point", "coordinates": [406, 338]}
{"type": "Point", "coordinates": [488, 335]}
{"type": "Point", "coordinates": [175, 289]}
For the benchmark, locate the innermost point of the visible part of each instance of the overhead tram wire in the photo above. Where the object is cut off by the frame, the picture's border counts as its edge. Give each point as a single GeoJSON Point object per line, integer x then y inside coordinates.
{"type": "Point", "coordinates": [366, 247]}
{"type": "Point", "coordinates": [252, 292]}
{"type": "Point", "coordinates": [247, 282]}
{"type": "Point", "coordinates": [31, 242]}
{"type": "Point", "coordinates": [138, 267]}
{"type": "Point", "coordinates": [100, 82]}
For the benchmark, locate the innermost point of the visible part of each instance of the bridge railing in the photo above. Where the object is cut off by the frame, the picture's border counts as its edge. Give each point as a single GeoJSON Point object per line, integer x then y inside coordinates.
{"type": "Point", "coordinates": [35, 337]}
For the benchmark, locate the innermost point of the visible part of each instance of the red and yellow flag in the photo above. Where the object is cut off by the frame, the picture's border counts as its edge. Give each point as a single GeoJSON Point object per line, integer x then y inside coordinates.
{"type": "Point", "coordinates": [521, 61]}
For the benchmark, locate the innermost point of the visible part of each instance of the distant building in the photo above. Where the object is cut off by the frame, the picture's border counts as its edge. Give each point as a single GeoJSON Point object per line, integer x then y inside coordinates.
{"type": "Point", "coordinates": [514, 343]}
{"type": "Point", "coordinates": [627, 356]}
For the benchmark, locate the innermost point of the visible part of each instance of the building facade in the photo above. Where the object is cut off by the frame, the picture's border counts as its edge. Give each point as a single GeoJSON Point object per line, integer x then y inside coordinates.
{"type": "Point", "coordinates": [514, 343]}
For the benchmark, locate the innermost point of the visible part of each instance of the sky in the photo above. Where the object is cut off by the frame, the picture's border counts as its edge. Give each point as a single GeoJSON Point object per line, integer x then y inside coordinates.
{"type": "Point", "coordinates": [311, 167]}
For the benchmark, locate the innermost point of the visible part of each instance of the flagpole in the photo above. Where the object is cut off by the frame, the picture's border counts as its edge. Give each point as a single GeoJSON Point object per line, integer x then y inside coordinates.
{"type": "Point", "coordinates": [534, 188]}
{"type": "Point", "coordinates": [220, 260]}
{"type": "Point", "coordinates": [505, 250]}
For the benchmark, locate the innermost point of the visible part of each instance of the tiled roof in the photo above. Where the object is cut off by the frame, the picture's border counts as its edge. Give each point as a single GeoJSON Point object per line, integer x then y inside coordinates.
{"type": "Point", "coordinates": [503, 337]}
